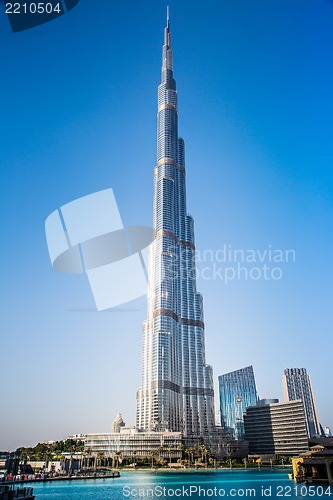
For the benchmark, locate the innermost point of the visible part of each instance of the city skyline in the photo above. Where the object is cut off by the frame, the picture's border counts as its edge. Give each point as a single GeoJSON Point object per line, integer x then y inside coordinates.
{"type": "Point", "coordinates": [256, 108]}
{"type": "Point", "coordinates": [297, 385]}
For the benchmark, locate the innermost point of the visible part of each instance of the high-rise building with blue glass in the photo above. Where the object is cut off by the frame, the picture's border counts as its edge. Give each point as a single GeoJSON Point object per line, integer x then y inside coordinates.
{"type": "Point", "coordinates": [237, 391]}
{"type": "Point", "coordinates": [177, 384]}
{"type": "Point", "coordinates": [297, 385]}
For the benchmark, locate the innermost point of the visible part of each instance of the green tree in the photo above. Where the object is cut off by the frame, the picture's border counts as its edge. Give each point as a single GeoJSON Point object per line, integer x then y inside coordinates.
{"type": "Point", "coordinates": [88, 454]}
{"type": "Point", "coordinates": [204, 452]}
{"type": "Point", "coordinates": [100, 458]}
{"type": "Point", "coordinates": [170, 450]}
{"type": "Point", "coordinates": [190, 453]}
{"type": "Point", "coordinates": [152, 453]}
{"type": "Point", "coordinates": [181, 447]}
{"type": "Point", "coordinates": [159, 450]}
{"type": "Point", "coordinates": [117, 457]}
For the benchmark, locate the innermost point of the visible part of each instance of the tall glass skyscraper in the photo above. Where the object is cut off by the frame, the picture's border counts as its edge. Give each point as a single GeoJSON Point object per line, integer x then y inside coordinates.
{"type": "Point", "coordinates": [297, 385]}
{"type": "Point", "coordinates": [237, 392]}
{"type": "Point", "coordinates": [177, 385]}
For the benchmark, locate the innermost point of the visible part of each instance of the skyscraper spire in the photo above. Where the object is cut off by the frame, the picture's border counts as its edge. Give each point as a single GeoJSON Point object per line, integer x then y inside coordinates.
{"type": "Point", "coordinates": [167, 62]}
{"type": "Point", "coordinates": [177, 384]}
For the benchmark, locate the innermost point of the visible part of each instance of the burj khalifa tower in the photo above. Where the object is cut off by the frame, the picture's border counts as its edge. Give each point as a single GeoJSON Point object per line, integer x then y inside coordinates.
{"type": "Point", "coordinates": [177, 385]}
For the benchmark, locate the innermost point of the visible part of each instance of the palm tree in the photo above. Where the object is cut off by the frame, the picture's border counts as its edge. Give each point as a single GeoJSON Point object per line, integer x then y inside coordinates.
{"type": "Point", "coordinates": [188, 453]}
{"type": "Point", "coordinates": [181, 447]}
{"type": "Point", "coordinates": [88, 455]}
{"type": "Point", "coordinates": [83, 459]}
{"type": "Point", "coordinates": [159, 449]}
{"type": "Point", "coordinates": [134, 455]}
{"type": "Point", "coordinates": [192, 451]}
{"type": "Point", "coordinates": [152, 454]}
{"type": "Point", "coordinates": [117, 457]}
{"type": "Point", "coordinates": [71, 450]}
{"type": "Point", "coordinates": [204, 452]}
{"type": "Point", "coordinates": [100, 457]}
{"type": "Point", "coordinates": [48, 455]}
{"type": "Point", "coordinates": [170, 451]}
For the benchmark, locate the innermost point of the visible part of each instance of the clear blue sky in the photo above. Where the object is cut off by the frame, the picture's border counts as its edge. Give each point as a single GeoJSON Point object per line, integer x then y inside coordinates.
{"type": "Point", "coordinates": [78, 114]}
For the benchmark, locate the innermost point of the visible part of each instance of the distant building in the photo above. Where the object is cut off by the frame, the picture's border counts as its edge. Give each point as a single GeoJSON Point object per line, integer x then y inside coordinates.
{"type": "Point", "coordinates": [118, 423]}
{"type": "Point", "coordinates": [297, 385]}
{"type": "Point", "coordinates": [327, 432]}
{"type": "Point", "coordinates": [267, 401]}
{"type": "Point", "coordinates": [45, 465]}
{"type": "Point", "coordinates": [4, 457]}
{"type": "Point", "coordinates": [276, 429]}
{"type": "Point", "coordinates": [77, 437]}
{"type": "Point", "coordinates": [237, 449]}
{"type": "Point", "coordinates": [237, 391]}
{"type": "Point", "coordinates": [132, 442]}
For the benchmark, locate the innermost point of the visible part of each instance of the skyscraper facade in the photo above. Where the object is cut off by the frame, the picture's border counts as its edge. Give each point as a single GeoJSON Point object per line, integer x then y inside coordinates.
{"type": "Point", "coordinates": [237, 391]}
{"type": "Point", "coordinates": [297, 385]}
{"type": "Point", "coordinates": [177, 385]}
{"type": "Point", "coordinates": [277, 428]}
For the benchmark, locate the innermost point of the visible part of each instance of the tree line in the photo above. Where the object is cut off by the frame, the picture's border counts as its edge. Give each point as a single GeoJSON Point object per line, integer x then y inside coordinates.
{"type": "Point", "coordinates": [50, 451]}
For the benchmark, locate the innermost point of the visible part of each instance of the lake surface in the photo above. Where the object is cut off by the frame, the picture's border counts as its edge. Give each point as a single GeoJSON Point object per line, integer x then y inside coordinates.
{"type": "Point", "coordinates": [248, 483]}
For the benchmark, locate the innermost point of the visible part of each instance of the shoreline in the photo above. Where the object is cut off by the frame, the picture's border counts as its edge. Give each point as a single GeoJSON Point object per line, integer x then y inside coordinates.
{"type": "Point", "coordinates": [112, 475]}
{"type": "Point", "coordinates": [212, 469]}
{"type": "Point", "coordinates": [157, 470]}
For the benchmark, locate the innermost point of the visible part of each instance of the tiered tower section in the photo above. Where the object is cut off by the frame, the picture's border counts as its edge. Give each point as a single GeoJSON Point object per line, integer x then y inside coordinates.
{"type": "Point", "coordinates": [177, 385]}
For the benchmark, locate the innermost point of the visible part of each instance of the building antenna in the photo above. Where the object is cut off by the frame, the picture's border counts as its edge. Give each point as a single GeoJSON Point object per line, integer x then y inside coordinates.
{"type": "Point", "coordinates": [168, 14]}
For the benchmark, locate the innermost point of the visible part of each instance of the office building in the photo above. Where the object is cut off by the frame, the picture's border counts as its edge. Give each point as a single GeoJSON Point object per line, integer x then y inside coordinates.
{"type": "Point", "coordinates": [276, 429]}
{"type": "Point", "coordinates": [297, 385]}
{"type": "Point", "coordinates": [118, 423]}
{"type": "Point", "coordinates": [177, 384]}
{"type": "Point", "coordinates": [267, 401]}
{"type": "Point", "coordinates": [131, 443]}
{"type": "Point", "coordinates": [237, 391]}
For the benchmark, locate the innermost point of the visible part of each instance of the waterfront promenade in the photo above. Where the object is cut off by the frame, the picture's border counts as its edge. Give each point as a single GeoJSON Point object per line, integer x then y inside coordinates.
{"type": "Point", "coordinates": [41, 478]}
{"type": "Point", "coordinates": [209, 483]}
